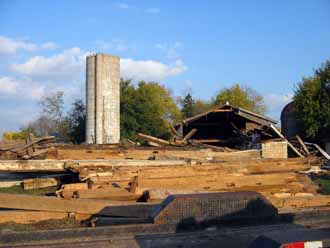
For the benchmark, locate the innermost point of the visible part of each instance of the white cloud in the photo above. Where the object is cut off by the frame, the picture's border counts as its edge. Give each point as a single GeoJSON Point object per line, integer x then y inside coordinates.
{"type": "Point", "coordinates": [276, 102]}
{"type": "Point", "coordinates": [49, 45]}
{"type": "Point", "coordinates": [70, 65]}
{"type": "Point", "coordinates": [149, 69]}
{"type": "Point", "coordinates": [20, 88]}
{"type": "Point", "coordinates": [115, 45]}
{"type": "Point", "coordinates": [123, 5]}
{"type": "Point", "coordinates": [10, 46]}
{"type": "Point", "coordinates": [152, 10]}
{"type": "Point", "coordinates": [171, 50]}
{"type": "Point", "coordinates": [67, 65]}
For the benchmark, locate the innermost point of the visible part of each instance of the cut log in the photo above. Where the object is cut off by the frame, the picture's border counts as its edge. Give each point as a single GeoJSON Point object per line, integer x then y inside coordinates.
{"type": "Point", "coordinates": [153, 139]}
{"type": "Point", "coordinates": [38, 183]}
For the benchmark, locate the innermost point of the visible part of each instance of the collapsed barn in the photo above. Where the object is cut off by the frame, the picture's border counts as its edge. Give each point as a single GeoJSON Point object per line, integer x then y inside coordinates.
{"type": "Point", "coordinates": [228, 126]}
{"type": "Point", "coordinates": [222, 167]}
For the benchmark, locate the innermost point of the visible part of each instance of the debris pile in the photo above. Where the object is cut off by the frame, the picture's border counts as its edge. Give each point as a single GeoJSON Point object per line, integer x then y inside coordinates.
{"type": "Point", "coordinates": [29, 148]}
{"type": "Point", "coordinates": [128, 190]}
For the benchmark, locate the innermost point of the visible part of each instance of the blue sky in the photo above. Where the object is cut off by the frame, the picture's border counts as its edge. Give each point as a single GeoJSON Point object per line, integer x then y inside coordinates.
{"type": "Point", "coordinates": [197, 45]}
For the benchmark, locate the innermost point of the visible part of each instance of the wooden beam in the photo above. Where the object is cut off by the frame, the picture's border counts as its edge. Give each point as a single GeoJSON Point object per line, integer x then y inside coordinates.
{"type": "Point", "coordinates": [31, 165]}
{"type": "Point", "coordinates": [222, 110]}
{"type": "Point", "coordinates": [38, 183]}
{"type": "Point", "coordinates": [326, 155]}
{"type": "Point", "coordinates": [27, 217]}
{"type": "Point", "coordinates": [300, 201]}
{"type": "Point", "coordinates": [153, 139]}
{"type": "Point", "coordinates": [216, 182]}
{"type": "Point", "coordinates": [55, 204]}
{"type": "Point", "coordinates": [189, 135]}
{"type": "Point", "coordinates": [301, 142]}
{"type": "Point", "coordinates": [209, 140]}
{"type": "Point", "coordinates": [105, 192]}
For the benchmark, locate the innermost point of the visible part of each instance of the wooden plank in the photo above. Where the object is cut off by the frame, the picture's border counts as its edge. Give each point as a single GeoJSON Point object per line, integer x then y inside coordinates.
{"type": "Point", "coordinates": [38, 183]}
{"type": "Point", "coordinates": [31, 165]}
{"type": "Point", "coordinates": [55, 204]}
{"type": "Point", "coordinates": [27, 217]}
{"type": "Point", "coordinates": [61, 165]}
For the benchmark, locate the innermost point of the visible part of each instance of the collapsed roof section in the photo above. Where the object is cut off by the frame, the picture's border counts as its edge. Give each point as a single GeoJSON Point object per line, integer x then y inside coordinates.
{"type": "Point", "coordinates": [227, 125]}
{"type": "Point", "coordinates": [254, 117]}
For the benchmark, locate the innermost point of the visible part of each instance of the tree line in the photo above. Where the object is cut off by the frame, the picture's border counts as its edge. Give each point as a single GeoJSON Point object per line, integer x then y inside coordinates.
{"type": "Point", "coordinates": [150, 108]}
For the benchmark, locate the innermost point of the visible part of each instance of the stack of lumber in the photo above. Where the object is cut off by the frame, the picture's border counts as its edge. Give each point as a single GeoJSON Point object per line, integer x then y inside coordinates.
{"type": "Point", "coordinates": [129, 188]}
{"type": "Point", "coordinates": [267, 176]}
{"type": "Point", "coordinates": [26, 149]}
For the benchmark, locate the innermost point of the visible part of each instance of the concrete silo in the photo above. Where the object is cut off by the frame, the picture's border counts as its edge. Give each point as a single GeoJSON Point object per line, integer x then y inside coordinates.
{"type": "Point", "coordinates": [103, 99]}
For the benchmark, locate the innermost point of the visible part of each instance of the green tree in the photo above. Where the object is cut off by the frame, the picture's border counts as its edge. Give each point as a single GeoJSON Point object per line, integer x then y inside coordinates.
{"type": "Point", "coordinates": [52, 106]}
{"type": "Point", "coordinates": [312, 103]}
{"type": "Point", "coordinates": [187, 106]}
{"type": "Point", "coordinates": [148, 108]}
{"type": "Point", "coordinates": [244, 97]}
{"type": "Point", "coordinates": [77, 122]}
{"type": "Point", "coordinates": [18, 135]}
{"type": "Point", "coordinates": [201, 106]}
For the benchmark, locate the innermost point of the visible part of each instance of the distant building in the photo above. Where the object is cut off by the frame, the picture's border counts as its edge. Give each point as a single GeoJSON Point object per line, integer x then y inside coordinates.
{"type": "Point", "coordinates": [290, 125]}
{"type": "Point", "coordinates": [234, 127]}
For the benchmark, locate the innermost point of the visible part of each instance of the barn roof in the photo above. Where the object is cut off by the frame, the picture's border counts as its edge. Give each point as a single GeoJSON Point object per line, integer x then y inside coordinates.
{"type": "Point", "coordinates": [254, 117]}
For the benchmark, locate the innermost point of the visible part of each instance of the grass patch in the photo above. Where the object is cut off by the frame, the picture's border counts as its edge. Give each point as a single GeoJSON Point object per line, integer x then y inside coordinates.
{"type": "Point", "coordinates": [324, 184]}
{"type": "Point", "coordinates": [19, 190]}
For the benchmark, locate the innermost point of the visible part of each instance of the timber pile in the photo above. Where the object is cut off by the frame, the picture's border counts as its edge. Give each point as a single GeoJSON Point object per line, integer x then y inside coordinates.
{"type": "Point", "coordinates": [26, 149]}
{"type": "Point", "coordinates": [130, 188]}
